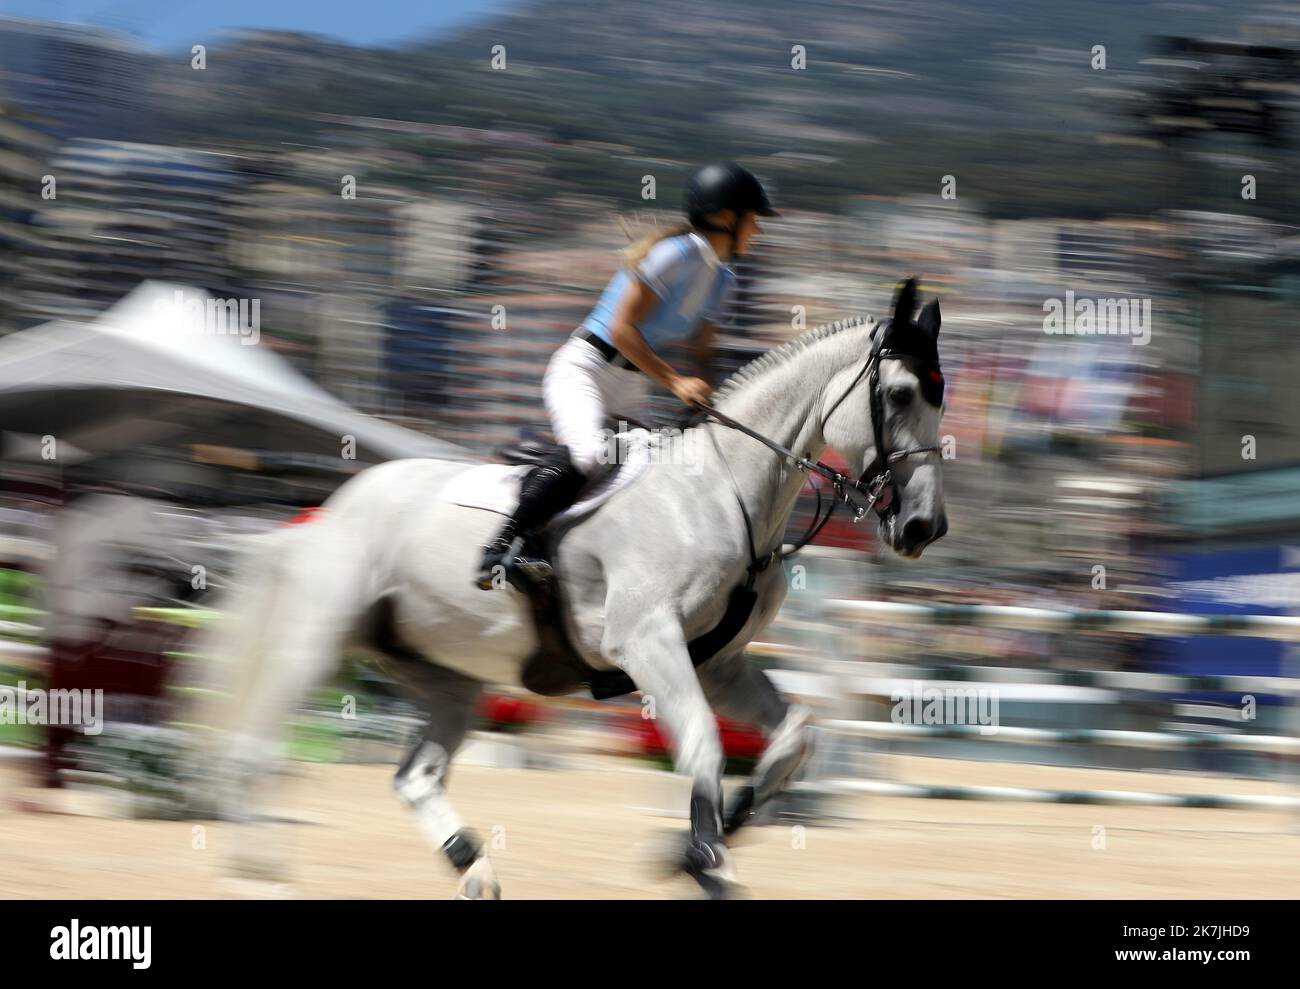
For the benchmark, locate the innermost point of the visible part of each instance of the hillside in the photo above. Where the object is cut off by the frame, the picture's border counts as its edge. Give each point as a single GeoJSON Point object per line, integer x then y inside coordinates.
{"type": "Point", "coordinates": [894, 96]}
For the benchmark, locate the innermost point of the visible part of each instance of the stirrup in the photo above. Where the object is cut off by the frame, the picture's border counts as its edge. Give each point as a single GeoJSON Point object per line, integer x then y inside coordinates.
{"type": "Point", "coordinates": [520, 572]}
{"type": "Point", "coordinates": [498, 553]}
{"type": "Point", "coordinates": [536, 572]}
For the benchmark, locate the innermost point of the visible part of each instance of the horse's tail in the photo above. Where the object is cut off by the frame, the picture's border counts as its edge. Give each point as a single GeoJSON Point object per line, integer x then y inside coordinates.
{"type": "Point", "coordinates": [233, 650]}
{"type": "Point", "coordinates": [283, 628]}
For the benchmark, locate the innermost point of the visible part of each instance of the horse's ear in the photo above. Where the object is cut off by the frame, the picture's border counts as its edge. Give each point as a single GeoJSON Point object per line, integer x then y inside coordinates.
{"type": "Point", "coordinates": [930, 318]}
{"type": "Point", "coordinates": [905, 302]}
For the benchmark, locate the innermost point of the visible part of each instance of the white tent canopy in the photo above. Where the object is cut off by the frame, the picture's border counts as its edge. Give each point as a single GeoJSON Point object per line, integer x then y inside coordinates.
{"type": "Point", "coordinates": [141, 374]}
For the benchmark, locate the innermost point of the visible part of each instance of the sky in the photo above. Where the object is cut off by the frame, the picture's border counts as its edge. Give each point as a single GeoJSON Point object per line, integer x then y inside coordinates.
{"type": "Point", "coordinates": [171, 24]}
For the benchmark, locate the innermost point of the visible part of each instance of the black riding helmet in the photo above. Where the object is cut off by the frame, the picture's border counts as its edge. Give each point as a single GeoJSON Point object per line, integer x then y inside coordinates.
{"type": "Point", "coordinates": [724, 185]}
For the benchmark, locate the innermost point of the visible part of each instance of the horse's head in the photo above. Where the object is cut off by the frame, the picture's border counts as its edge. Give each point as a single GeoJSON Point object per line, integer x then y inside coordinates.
{"type": "Point", "coordinates": [888, 419]}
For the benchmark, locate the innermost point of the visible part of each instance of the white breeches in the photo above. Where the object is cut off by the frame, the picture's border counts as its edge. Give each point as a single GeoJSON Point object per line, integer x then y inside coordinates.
{"type": "Point", "coordinates": [582, 390]}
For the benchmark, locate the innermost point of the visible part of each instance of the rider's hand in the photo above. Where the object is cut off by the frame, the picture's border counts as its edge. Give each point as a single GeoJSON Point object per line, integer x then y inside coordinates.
{"type": "Point", "coordinates": [692, 391]}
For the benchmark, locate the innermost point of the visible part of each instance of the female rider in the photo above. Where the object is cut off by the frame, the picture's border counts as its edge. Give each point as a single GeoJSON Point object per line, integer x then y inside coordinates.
{"type": "Point", "coordinates": [672, 289]}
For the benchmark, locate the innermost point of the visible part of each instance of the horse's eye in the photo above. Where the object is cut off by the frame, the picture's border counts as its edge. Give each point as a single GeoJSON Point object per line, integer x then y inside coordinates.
{"type": "Point", "coordinates": [900, 395]}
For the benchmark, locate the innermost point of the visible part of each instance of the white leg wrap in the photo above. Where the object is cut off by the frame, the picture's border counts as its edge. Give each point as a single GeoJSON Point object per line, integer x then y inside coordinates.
{"type": "Point", "coordinates": [419, 783]}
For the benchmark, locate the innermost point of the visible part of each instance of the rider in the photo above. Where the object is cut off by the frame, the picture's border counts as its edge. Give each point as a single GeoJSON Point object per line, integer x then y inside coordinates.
{"type": "Point", "coordinates": [672, 289]}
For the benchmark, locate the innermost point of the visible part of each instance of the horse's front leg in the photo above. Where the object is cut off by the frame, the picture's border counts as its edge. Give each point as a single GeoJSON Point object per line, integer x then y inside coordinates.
{"type": "Point", "coordinates": [652, 651]}
{"type": "Point", "coordinates": [739, 691]}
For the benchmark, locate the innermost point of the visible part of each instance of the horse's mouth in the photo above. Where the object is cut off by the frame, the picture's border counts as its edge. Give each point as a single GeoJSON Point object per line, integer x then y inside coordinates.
{"type": "Point", "coordinates": [889, 533]}
{"type": "Point", "coordinates": [888, 525]}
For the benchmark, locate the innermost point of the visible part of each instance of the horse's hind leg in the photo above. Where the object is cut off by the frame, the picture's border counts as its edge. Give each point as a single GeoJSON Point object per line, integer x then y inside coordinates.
{"type": "Point", "coordinates": [738, 690]}
{"type": "Point", "coordinates": [448, 699]}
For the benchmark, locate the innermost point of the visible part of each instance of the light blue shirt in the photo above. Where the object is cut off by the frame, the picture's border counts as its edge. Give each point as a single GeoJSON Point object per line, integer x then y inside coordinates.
{"type": "Point", "coordinates": [692, 284]}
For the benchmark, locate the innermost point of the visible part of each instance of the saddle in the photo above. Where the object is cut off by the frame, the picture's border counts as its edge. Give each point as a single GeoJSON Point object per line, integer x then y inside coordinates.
{"type": "Point", "coordinates": [556, 667]}
{"type": "Point", "coordinates": [530, 448]}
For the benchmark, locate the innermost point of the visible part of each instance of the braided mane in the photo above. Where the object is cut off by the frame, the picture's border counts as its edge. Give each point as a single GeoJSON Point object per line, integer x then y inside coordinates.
{"type": "Point", "coordinates": [781, 355]}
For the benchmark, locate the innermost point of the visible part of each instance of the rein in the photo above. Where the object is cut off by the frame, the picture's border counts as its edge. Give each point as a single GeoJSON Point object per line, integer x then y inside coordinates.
{"type": "Point", "coordinates": [845, 486]}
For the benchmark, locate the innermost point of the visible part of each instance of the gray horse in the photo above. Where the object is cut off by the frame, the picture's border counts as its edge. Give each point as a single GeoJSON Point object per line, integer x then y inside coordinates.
{"type": "Point", "coordinates": [651, 569]}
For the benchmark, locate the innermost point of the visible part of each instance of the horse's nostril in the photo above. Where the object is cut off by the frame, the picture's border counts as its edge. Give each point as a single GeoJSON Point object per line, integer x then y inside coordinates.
{"type": "Point", "coordinates": [916, 531]}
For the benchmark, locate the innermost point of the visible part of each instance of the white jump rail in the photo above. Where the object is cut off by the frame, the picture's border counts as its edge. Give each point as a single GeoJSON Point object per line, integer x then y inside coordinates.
{"type": "Point", "coordinates": [1082, 736]}
{"type": "Point", "coordinates": [1158, 623]}
{"type": "Point", "coordinates": [1146, 623]}
{"type": "Point", "coordinates": [1124, 798]}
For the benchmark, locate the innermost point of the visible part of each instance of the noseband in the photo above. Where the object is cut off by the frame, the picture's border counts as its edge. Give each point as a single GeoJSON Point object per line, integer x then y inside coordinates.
{"type": "Point", "coordinates": [845, 486]}
{"type": "Point", "coordinates": [883, 475]}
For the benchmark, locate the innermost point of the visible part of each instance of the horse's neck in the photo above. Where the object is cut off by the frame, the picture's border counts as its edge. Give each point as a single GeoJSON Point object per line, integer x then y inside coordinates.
{"type": "Point", "coordinates": [784, 404]}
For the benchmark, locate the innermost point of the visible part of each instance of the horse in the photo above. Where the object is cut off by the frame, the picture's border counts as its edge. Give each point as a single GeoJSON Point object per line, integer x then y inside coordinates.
{"type": "Point", "coordinates": [648, 572]}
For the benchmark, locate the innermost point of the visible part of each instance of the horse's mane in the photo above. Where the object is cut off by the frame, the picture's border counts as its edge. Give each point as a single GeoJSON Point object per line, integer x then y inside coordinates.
{"type": "Point", "coordinates": [781, 355]}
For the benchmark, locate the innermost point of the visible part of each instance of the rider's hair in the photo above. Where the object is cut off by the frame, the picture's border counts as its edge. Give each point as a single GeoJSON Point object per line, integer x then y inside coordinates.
{"type": "Point", "coordinates": [635, 254]}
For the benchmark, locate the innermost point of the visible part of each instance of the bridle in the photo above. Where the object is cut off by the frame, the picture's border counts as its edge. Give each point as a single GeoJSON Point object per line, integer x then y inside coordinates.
{"type": "Point", "coordinates": [845, 486]}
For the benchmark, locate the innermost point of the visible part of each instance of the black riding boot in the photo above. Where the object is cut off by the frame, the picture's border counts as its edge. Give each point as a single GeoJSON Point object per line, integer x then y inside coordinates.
{"type": "Point", "coordinates": [549, 489]}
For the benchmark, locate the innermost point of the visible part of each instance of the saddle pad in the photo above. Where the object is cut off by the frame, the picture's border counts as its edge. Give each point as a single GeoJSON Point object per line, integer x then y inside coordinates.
{"type": "Point", "coordinates": [495, 487]}
{"type": "Point", "coordinates": [491, 487]}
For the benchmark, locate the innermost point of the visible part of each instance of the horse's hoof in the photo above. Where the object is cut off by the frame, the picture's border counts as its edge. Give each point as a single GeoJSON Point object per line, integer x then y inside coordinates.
{"type": "Point", "coordinates": [712, 888]}
{"type": "Point", "coordinates": [717, 884]}
{"type": "Point", "coordinates": [709, 864]}
{"type": "Point", "coordinates": [675, 853]}
{"type": "Point", "coordinates": [479, 882]}
{"type": "Point", "coordinates": [477, 889]}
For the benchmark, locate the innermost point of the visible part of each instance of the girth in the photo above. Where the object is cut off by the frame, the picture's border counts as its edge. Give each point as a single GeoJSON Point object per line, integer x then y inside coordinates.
{"type": "Point", "coordinates": [558, 668]}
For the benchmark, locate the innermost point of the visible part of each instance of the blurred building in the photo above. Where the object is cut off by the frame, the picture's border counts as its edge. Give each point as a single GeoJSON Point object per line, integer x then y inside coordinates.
{"type": "Point", "coordinates": [331, 263]}
{"type": "Point", "coordinates": [420, 351]}
{"type": "Point", "coordinates": [123, 213]}
{"type": "Point", "coordinates": [82, 81]}
{"type": "Point", "coordinates": [438, 249]}
{"type": "Point", "coordinates": [23, 153]}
